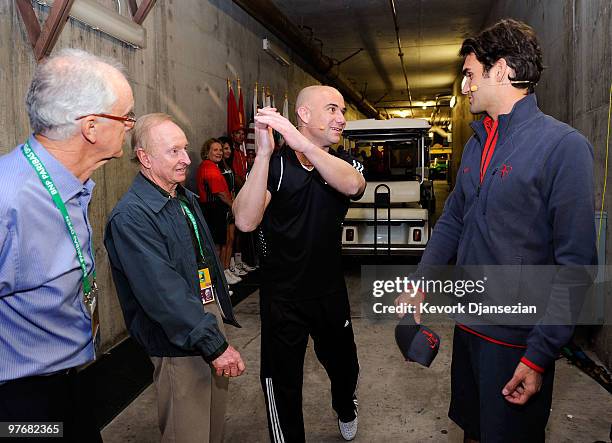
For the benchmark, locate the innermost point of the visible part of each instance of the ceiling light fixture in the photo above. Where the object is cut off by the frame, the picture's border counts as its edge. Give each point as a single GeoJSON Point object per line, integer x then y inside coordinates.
{"type": "Point", "coordinates": [403, 113]}
{"type": "Point", "coordinates": [103, 19]}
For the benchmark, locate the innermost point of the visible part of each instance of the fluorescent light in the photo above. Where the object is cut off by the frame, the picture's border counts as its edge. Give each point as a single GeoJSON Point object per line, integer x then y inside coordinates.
{"type": "Point", "coordinates": [277, 53]}
{"type": "Point", "coordinates": [105, 20]}
{"type": "Point", "coordinates": [403, 113]}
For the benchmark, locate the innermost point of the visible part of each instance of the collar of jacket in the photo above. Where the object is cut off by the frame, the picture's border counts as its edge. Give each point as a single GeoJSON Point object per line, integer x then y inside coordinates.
{"type": "Point", "coordinates": [522, 111]}
{"type": "Point", "coordinates": [149, 193]}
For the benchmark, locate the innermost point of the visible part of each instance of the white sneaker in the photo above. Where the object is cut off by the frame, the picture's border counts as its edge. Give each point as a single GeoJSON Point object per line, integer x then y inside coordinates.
{"type": "Point", "coordinates": [242, 267]}
{"type": "Point", "coordinates": [234, 270]}
{"type": "Point", "coordinates": [247, 267]}
{"type": "Point", "coordinates": [237, 278]}
{"type": "Point", "coordinates": [231, 278]}
{"type": "Point", "coordinates": [237, 271]}
{"type": "Point", "coordinates": [348, 430]}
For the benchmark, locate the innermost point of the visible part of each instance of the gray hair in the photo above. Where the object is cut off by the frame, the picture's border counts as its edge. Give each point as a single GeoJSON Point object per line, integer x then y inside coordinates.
{"type": "Point", "coordinates": [71, 84]}
{"type": "Point", "coordinates": [141, 132]}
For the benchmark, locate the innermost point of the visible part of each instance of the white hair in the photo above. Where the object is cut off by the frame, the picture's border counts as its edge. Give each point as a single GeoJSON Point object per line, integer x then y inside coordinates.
{"type": "Point", "coordinates": [71, 84]}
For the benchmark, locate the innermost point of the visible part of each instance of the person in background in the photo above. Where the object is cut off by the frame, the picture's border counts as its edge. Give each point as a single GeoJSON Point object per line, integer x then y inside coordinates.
{"type": "Point", "coordinates": [215, 200]}
{"type": "Point", "coordinates": [239, 164]}
{"type": "Point", "coordinates": [230, 177]}
{"type": "Point", "coordinates": [80, 108]}
{"type": "Point", "coordinates": [250, 159]}
{"type": "Point", "coordinates": [243, 243]}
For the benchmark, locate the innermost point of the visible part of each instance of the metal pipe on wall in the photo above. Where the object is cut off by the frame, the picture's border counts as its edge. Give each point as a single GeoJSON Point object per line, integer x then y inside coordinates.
{"type": "Point", "coordinates": [315, 62]}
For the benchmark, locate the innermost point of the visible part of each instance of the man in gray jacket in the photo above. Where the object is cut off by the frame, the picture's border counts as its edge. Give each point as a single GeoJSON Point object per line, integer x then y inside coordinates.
{"type": "Point", "coordinates": [172, 291]}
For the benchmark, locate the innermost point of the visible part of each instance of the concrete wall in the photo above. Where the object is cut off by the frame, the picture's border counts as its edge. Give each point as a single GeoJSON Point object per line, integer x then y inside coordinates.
{"type": "Point", "coordinates": [192, 47]}
{"type": "Point", "coordinates": [575, 36]}
{"type": "Point", "coordinates": [461, 118]}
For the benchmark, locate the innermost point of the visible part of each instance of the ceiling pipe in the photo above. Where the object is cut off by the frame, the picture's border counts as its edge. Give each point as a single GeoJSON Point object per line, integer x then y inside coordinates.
{"type": "Point", "coordinates": [316, 63]}
{"type": "Point", "coordinates": [400, 53]}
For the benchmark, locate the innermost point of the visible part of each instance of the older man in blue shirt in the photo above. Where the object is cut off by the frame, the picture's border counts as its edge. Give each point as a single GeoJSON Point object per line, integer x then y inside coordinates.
{"type": "Point", "coordinates": [48, 305]}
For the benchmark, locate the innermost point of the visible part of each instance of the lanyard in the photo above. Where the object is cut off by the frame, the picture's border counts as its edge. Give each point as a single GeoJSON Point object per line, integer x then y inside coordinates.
{"type": "Point", "coordinates": [47, 182]}
{"type": "Point", "coordinates": [195, 226]}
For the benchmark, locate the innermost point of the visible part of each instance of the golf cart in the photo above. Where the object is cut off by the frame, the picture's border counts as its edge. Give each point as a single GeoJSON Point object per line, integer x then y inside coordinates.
{"type": "Point", "coordinates": [392, 217]}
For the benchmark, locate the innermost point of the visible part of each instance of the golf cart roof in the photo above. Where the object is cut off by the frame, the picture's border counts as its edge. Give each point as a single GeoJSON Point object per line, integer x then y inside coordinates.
{"type": "Point", "coordinates": [394, 128]}
{"type": "Point", "coordinates": [392, 123]}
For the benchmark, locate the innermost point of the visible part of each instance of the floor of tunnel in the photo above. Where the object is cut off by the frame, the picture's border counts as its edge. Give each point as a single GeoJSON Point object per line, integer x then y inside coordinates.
{"type": "Point", "coordinates": [398, 401]}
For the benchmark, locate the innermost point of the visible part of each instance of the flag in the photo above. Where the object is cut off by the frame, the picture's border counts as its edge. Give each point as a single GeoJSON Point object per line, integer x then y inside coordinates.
{"type": "Point", "coordinates": [250, 136]}
{"type": "Point", "coordinates": [263, 96]}
{"type": "Point", "coordinates": [241, 118]}
{"type": "Point", "coordinates": [268, 97]}
{"type": "Point", "coordinates": [229, 112]}
{"type": "Point", "coordinates": [286, 107]}
{"type": "Point", "coordinates": [277, 136]}
{"type": "Point", "coordinates": [240, 106]}
{"type": "Point", "coordinates": [254, 102]}
{"type": "Point", "coordinates": [233, 119]}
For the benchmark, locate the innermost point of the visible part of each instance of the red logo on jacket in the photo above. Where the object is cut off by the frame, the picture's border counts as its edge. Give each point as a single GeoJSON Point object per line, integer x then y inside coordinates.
{"type": "Point", "coordinates": [433, 341]}
{"type": "Point", "coordinates": [505, 170]}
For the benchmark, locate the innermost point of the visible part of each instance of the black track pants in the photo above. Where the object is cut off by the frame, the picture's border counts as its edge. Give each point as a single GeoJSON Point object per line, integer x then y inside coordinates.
{"type": "Point", "coordinates": [285, 327]}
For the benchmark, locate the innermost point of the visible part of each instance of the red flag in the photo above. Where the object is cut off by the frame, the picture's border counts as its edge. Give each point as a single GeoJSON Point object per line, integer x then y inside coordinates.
{"type": "Point", "coordinates": [233, 119]}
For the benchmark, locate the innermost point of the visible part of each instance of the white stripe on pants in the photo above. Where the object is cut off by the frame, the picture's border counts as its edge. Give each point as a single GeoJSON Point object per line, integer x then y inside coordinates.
{"type": "Point", "coordinates": [273, 413]}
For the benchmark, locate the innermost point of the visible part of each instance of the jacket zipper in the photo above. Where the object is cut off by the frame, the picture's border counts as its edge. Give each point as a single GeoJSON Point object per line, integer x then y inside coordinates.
{"type": "Point", "coordinates": [486, 195]}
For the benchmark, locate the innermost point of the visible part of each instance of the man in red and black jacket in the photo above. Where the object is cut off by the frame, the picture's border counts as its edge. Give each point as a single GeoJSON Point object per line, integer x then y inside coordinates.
{"type": "Point", "coordinates": [523, 198]}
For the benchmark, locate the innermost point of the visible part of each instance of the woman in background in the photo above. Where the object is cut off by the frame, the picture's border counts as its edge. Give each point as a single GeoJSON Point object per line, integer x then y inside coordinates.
{"type": "Point", "coordinates": [215, 199]}
{"type": "Point", "coordinates": [230, 177]}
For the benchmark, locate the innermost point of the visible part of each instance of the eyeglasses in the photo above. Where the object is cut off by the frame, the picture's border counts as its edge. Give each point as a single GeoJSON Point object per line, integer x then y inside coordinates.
{"type": "Point", "coordinates": [128, 119]}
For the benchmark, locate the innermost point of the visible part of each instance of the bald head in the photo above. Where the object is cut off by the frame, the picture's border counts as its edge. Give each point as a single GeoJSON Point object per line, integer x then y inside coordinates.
{"type": "Point", "coordinates": [320, 114]}
{"type": "Point", "coordinates": [311, 93]}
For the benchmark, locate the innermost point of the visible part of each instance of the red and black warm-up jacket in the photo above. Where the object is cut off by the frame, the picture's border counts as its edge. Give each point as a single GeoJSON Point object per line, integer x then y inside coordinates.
{"type": "Point", "coordinates": [533, 209]}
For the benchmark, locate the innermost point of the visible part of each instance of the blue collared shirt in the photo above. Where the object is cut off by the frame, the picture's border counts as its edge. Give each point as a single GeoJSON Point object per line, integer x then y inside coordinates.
{"type": "Point", "coordinates": [44, 324]}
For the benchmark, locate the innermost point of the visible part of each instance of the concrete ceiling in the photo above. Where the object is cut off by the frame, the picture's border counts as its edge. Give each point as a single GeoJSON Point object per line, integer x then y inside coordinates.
{"type": "Point", "coordinates": [431, 32]}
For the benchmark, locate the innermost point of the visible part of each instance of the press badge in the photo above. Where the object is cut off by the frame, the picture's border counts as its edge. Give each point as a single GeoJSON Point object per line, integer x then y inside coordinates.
{"type": "Point", "coordinates": [91, 302]}
{"type": "Point", "coordinates": [207, 292]}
